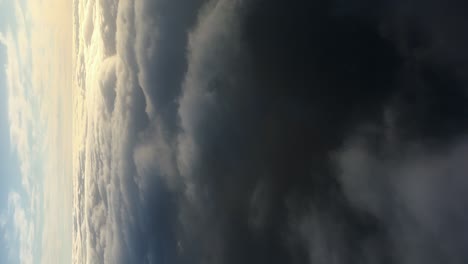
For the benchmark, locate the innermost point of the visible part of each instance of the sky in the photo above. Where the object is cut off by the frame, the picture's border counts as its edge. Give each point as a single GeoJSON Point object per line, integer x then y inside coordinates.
{"type": "Point", "coordinates": [36, 192]}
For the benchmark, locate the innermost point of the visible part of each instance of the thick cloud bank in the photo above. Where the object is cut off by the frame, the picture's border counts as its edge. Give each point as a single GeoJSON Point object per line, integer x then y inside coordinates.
{"type": "Point", "coordinates": [263, 131]}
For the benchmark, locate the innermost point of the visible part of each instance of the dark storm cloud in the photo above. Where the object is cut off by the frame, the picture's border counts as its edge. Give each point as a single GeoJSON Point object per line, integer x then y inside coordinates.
{"type": "Point", "coordinates": [261, 113]}
{"type": "Point", "coordinates": [285, 132]}
{"type": "Point", "coordinates": [274, 89]}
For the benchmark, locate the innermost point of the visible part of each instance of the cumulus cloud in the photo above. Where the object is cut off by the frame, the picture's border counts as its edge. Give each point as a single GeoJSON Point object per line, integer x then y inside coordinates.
{"type": "Point", "coordinates": [267, 132]}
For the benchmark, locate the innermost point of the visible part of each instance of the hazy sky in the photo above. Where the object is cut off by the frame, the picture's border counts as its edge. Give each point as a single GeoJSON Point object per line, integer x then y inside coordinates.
{"type": "Point", "coordinates": [36, 39]}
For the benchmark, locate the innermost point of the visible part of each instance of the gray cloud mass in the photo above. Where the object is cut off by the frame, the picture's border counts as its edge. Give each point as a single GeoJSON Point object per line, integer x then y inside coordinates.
{"type": "Point", "coordinates": [262, 131]}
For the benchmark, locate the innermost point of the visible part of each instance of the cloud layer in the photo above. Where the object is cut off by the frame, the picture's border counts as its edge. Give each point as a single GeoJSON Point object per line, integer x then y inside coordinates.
{"type": "Point", "coordinates": [269, 132]}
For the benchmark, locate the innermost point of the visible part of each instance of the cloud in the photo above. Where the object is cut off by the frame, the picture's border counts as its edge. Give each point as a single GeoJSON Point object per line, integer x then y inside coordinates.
{"type": "Point", "coordinates": [3, 39]}
{"type": "Point", "coordinates": [108, 80]}
{"type": "Point", "coordinates": [414, 192]}
{"type": "Point", "coordinates": [23, 228]}
{"type": "Point", "coordinates": [264, 132]}
{"type": "Point", "coordinates": [117, 171]}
